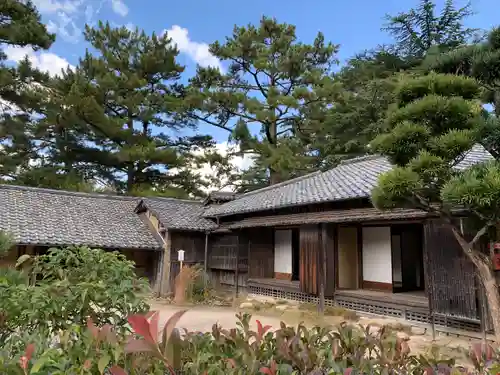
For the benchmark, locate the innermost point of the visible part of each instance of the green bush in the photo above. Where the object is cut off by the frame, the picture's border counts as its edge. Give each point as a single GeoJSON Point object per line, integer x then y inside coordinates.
{"type": "Point", "coordinates": [77, 311]}
{"type": "Point", "coordinates": [65, 287]}
{"type": "Point", "coordinates": [347, 349]}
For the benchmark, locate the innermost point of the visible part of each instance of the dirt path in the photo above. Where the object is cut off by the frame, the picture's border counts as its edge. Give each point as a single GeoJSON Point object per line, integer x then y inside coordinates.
{"type": "Point", "coordinates": [202, 318]}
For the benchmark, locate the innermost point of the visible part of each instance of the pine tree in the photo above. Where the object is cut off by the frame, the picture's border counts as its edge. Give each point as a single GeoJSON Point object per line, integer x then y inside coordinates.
{"type": "Point", "coordinates": [365, 90]}
{"type": "Point", "coordinates": [368, 80]}
{"type": "Point", "coordinates": [434, 121]}
{"type": "Point", "coordinates": [421, 28]}
{"type": "Point", "coordinates": [21, 87]}
{"type": "Point", "coordinates": [274, 86]}
{"type": "Point", "coordinates": [121, 114]}
{"type": "Point", "coordinates": [482, 62]}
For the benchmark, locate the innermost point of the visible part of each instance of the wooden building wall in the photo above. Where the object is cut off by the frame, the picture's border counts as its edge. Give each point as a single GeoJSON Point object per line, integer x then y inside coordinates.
{"type": "Point", "coordinates": [328, 234]}
{"type": "Point", "coordinates": [450, 275]}
{"type": "Point", "coordinates": [310, 246]}
{"type": "Point", "coordinates": [146, 262]}
{"type": "Point", "coordinates": [193, 244]}
{"type": "Point", "coordinates": [224, 254]}
{"type": "Point", "coordinates": [260, 251]}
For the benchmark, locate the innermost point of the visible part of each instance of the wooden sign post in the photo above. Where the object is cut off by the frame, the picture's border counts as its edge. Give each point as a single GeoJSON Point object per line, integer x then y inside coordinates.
{"type": "Point", "coordinates": [180, 257]}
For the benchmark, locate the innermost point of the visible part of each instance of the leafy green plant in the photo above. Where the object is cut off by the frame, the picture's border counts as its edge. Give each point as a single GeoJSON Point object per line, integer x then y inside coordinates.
{"type": "Point", "coordinates": [5, 243]}
{"type": "Point", "coordinates": [346, 349]}
{"type": "Point", "coordinates": [199, 289]}
{"type": "Point", "coordinates": [66, 286]}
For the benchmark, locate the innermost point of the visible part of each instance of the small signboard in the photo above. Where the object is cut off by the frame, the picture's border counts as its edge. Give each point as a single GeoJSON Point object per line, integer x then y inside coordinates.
{"type": "Point", "coordinates": [180, 255]}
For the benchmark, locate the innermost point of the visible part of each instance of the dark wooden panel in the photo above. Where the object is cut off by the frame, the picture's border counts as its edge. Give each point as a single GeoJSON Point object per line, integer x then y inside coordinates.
{"type": "Point", "coordinates": [330, 259]}
{"type": "Point", "coordinates": [375, 285]}
{"type": "Point", "coordinates": [225, 252]}
{"type": "Point", "coordinates": [449, 274]}
{"type": "Point", "coordinates": [260, 251]}
{"type": "Point", "coordinates": [310, 246]}
{"type": "Point", "coordinates": [193, 243]}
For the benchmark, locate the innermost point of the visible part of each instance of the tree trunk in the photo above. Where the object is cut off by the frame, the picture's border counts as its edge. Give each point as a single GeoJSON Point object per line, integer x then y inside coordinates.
{"type": "Point", "coordinates": [274, 177]}
{"type": "Point", "coordinates": [486, 276]}
{"type": "Point", "coordinates": [130, 178]}
{"type": "Point", "coordinates": [489, 282]}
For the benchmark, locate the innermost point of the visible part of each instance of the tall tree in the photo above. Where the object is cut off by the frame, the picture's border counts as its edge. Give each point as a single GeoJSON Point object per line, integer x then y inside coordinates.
{"type": "Point", "coordinates": [20, 94]}
{"type": "Point", "coordinates": [120, 114]}
{"type": "Point", "coordinates": [435, 120]}
{"type": "Point", "coordinates": [368, 79]}
{"type": "Point", "coordinates": [418, 29]}
{"type": "Point", "coordinates": [366, 89]}
{"type": "Point", "coordinates": [275, 87]}
{"type": "Point", "coordinates": [482, 62]}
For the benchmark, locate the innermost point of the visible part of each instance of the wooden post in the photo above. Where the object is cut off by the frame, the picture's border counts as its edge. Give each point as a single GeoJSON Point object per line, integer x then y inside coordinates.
{"type": "Point", "coordinates": [206, 259]}
{"type": "Point", "coordinates": [237, 270]}
{"type": "Point", "coordinates": [428, 279]}
{"type": "Point", "coordinates": [165, 286]}
{"type": "Point", "coordinates": [322, 267]}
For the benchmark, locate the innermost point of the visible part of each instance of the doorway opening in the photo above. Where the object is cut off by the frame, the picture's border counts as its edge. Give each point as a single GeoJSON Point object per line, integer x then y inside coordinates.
{"type": "Point", "coordinates": [407, 258]}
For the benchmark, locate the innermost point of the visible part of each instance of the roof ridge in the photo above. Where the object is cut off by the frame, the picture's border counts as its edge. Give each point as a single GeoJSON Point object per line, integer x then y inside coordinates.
{"type": "Point", "coordinates": [359, 159]}
{"type": "Point", "coordinates": [173, 199]}
{"type": "Point", "coordinates": [281, 184]}
{"type": "Point", "coordinates": [69, 192]}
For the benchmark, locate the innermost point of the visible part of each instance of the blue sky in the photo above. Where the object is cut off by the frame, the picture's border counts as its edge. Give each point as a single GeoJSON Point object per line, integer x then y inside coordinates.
{"type": "Point", "coordinates": [354, 24]}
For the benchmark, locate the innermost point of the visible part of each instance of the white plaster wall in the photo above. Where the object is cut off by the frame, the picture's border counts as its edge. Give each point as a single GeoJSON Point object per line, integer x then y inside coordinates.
{"type": "Point", "coordinates": [283, 251]}
{"type": "Point", "coordinates": [377, 254]}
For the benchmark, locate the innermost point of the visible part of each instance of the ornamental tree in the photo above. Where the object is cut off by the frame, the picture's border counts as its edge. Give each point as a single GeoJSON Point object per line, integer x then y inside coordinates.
{"type": "Point", "coordinates": [20, 94]}
{"type": "Point", "coordinates": [435, 120]}
{"type": "Point", "coordinates": [273, 96]}
{"type": "Point", "coordinates": [118, 114]}
{"type": "Point", "coordinates": [480, 61]}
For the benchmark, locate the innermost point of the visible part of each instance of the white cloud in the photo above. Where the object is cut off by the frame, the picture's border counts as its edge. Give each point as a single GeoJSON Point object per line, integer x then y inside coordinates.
{"type": "Point", "coordinates": [119, 7]}
{"type": "Point", "coordinates": [65, 27]}
{"type": "Point", "coordinates": [63, 17]}
{"type": "Point", "coordinates": [54, 6]}
{"type": "Point", "coordinates": [45, 61]}
{"type": "Point", "coordinates": [209, 173]}
{"type": "Point", "coordinates": [195, 50]}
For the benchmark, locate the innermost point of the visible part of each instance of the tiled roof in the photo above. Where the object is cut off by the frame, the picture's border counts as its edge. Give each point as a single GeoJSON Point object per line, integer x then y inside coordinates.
{"type": "Point", "coordinates": [351, 179]}
{"type": "Point", "coordinates": [56, 218]}
{"type": "Point", "coordinates": [218, 197]}
{"type": "Point", "coordinates": [353, 215]}
{"type": "Point", "coordinates": [179, 214]}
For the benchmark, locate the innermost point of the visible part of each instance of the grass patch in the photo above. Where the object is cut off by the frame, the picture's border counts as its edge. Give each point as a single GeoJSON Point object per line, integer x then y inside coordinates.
{"type": "Point", "coordinates": [331, 311]}
{"type": "Point", "coordinates": [399, 327]}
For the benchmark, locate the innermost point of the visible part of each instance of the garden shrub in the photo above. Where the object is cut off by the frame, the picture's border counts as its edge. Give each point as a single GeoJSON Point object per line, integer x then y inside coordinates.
{"type": "Point", "coordinates": [347, 349]}
{"type": "Point", "coordinates": [77, 311]}
{"type": "Point", "coordinates": [66, 286]}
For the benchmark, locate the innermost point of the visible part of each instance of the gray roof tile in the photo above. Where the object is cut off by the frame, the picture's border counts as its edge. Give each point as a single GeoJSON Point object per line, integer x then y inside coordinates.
{"type": "Point", "coordinates": [179, 214]}
{"type": "Point", "coordinates": [57, 218]}
{"type": "Point", "coordinates": [351, 179]}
